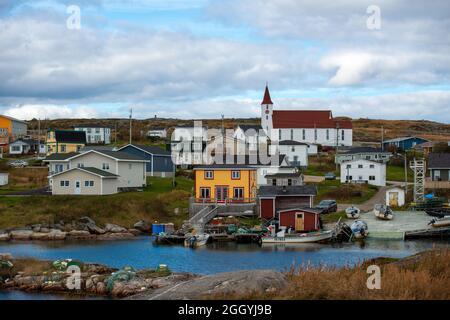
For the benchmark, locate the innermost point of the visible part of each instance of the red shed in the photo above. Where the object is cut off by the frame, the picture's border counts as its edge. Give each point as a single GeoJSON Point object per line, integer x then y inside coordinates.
{"type": "Point", "coordinates": [302, 220]}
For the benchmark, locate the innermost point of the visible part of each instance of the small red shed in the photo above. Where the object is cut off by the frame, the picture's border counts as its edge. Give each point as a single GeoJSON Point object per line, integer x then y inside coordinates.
{"type": "Point", "coordinates": [300, 219]}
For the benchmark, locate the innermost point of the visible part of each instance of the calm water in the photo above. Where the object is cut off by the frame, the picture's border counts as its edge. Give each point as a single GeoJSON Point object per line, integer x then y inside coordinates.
{"type": "Point", "coordinates": [214, 258]}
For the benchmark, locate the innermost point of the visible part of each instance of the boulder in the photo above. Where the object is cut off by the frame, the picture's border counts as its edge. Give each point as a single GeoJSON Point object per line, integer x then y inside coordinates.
{"type": "Point", "coordinates": [116, 236]}
{"type": "Point", "coordinates": [56, 234]}
{"type": "Point", "coordinates": [5, 236]}
{"type": "Point", "coordinates": [114, 228]}
{"type": "Point", "coordinates": [86, 220]}
{"type": "Point", "coordinates": [44, 230]}
{"type": "Point", "coordinates": [36, 227]}
{"type": "Point", "coordinates": [21, 234]}
{"type": "Point", "coordinates": [135, 232]}
{"type": "Point", "coordinates": [92, 228]}
{"type": "Point", "coordinates": [142, 226]}
{"type": "Point", "coordinates": [80, 234]}
{"type": "Point", "coordinates": [6, 256]}
{"type": "Point", "coordinates": [39, 236]}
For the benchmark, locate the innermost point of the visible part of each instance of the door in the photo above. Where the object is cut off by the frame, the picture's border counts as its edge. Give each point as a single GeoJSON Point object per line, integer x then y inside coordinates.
{"type": "Point", "coordinates": [77, 187]}
{"type": "Point", "coordinates": [299, 222]}
{"type": "Point", "coordinates": [393, 199]}
{"type": "Point", "coordinates": [221, 193]}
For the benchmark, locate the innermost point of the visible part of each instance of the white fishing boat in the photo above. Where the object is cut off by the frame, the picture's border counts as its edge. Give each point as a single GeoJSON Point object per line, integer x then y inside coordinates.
{"type": "Point", "coordinates": [383, 212]}
{"type": "Point", "coordinates": [196, 240]}
{"type": "Point", "coordinates": [360, 230]}
{"type": "Point", "coordinates": [282, 237]}
{"type": "Point", "coordinates": [352, 212]}
{"type": "Point", "coordinates": [440, 222]}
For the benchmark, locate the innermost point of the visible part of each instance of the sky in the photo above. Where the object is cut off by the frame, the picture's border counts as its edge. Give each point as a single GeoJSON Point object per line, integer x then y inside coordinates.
{"type": "Point", "coordinates": [191, 59]}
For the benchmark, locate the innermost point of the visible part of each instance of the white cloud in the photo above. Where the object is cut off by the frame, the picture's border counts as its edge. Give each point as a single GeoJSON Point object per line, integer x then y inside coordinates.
{"type": "Point", "coordinates": [28, 112]}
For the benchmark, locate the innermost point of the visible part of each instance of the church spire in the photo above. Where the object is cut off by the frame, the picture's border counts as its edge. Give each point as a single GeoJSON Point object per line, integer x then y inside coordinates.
{"type": "Point", "coordinates": [266, 99]}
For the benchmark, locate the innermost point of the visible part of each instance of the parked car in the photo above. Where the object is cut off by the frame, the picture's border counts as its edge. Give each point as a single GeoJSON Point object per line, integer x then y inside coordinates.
{"type": "Point", "coordinates": [327, 206]}
{"type": "Point", "coordinates": [330, 176]}
{"type": "Point", "coordinates": [18, 164]}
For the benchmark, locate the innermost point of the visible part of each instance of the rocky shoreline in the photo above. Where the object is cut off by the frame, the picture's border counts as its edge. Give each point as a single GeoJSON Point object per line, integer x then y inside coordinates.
{"type": "Point", "coordinates": [82, 229]}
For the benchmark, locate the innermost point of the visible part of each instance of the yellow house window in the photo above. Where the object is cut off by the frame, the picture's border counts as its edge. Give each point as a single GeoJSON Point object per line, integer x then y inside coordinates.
{"type": "Point", "coordinates": [209, 175]}
{"type": "Point", "coordinates": [63, 148]}
{"type": "Point", "coordinates": [235, 174]}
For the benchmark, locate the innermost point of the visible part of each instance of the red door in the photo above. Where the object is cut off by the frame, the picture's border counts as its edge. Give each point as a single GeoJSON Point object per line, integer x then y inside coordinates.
{"type": "Point", "coordinates": [221, 193]}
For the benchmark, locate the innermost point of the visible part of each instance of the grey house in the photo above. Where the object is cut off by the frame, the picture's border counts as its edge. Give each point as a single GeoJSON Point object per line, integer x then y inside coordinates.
{"type": "Point", "coordinates": [439, 166]}
{"type": "Point", "coordinates": [160, 161]}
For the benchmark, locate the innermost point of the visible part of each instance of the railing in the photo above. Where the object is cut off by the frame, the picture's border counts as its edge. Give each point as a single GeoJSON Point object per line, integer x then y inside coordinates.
{"type": "Point", "coordinates": [216, 201]}
{"type": "Point", "coordinates": [429, 184]}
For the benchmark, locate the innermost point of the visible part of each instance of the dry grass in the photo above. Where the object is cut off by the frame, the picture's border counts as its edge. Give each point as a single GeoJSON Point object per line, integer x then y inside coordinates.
{"type": "Point", "coordinates": [424, 276]}
{"type": "Point", "coordinates": [28, 177]}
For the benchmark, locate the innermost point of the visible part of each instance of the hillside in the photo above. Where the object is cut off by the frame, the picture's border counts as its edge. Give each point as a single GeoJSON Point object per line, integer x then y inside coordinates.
{"type": "Point", "coordinates": [364, 130]}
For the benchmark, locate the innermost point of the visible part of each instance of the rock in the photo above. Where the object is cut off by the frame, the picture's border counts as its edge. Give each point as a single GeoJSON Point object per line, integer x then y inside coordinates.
{"type": "Point", "coordinates": [58, 226]}
{"type": "Point", "coordinates": [135, 232]}
{"type": "Point", "coordinates": [44, 230]}
{"type": "Point", "coordinates": [86, 220]}
{"type": "Point", "coordinates": [5, 236]}
{"type": "Point", "coordinates": [56, 234]}
{"type": "Point", "coordinates": [101, 288]}
{"type": "Point", "coordinates": [114, 228]}
{"type": "Point", "coordinates": [21, 234]}
{"type": "Point", "coordinates": [142, 226]}
{"type": "Point", "coordinates": [36, 227]}
{"type": "Point", "coordinates": [116, 236]}
{"type": "Point", "coordinates": [92, 228]}
{"type": "Point", "coordinates": [39, 236]}
{"type": "Point", "coordinates": [6, 256]}
{"type": "Point", "coordinates": [80, 234]}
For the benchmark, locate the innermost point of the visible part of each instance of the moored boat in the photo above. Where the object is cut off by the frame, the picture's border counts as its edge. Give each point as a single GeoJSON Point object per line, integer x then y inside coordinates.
{"type": "Point", "coordinates": [360, 230]}
{"type": "Point", "coordinates": [352, 212]}
{"type": "Point", "coordinates": [282, 237]}
{"type": "Point", "coordinates": [440, 222]}
{"type": "Point", "coordinates": [383, 212]}
{"type": "Point", "coordinates": [196, 240]}
{"type": "Point", "coordinates": [438, 212]}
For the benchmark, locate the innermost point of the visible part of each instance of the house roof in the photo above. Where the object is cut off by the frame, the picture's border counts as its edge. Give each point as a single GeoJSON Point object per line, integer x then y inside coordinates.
{"type": "Point", "coordinates": [268, 191]}
{"type": "Point", "coordinates": [439, 160]}
{"type": "Point", "coordinates": [252, 129]}
{"type": "Point", "coordinates": [239, 162]}
{"type": "Point", "coordinates": [157, 129]}
{"type": "Point", "coordinates": [27, 141]}
{"type": "Point", "coordinates": [356, 150]}
{"type": "Point", "coordinates": [291, 143]}
{"type": "Point", "coordinates": [266, 99]}
{"type": "Point", "coordinates": [307, 119]}
{"type": "Point", "coordinates": [428, 144]}
{"type": "Point", "coordinates": [93, 125]}
{"type": "Point", "coordinates": [60, 156]}
{"type": "Point", "coordinates": [70, 136]}
{"type": "Point", "coordinates": [98, 148]}
{"type": "Point", "coordinates": [91, 170]}
{"type": "Point", "coordinates": [310, 210]}
{"type": "Point", "coordinates": [283, 175]}
{"type": "Point", "coordinates": [403, 139]}
{"type": "Point", "coordinates": [149, 149]}
{"type": "Point", "coordinates": [12, 119]}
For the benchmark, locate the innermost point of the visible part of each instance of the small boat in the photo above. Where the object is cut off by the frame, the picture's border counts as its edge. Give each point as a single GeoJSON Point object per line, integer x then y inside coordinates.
{"type": "Point", "coordinates": [282, 237]}
{"type": "Point", "coordinates": [440, 222]}
{"type": "Point", "coordinates": [359, 229]}
{"type": "Point", "coordinates": [196, 240]}
{"type": "Point", "coordinates": [352, 212]}
{"type": "Point", "coordinates": [438, 212]}
{"type": "Point", "coordinates": [383, 212]}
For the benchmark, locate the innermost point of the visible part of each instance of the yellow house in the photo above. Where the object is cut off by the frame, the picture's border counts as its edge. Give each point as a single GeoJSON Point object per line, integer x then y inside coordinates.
{"type": "Point", "coordinates": [10, 129]}
{"type": "Point", "coordinates": [65, 141]}
{"type": "Point", "coordinates": [225, 183]}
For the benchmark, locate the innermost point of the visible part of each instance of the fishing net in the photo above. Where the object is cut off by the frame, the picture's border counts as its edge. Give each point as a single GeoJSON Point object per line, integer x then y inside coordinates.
{"type": "Point", "coordinates": [124, 275]}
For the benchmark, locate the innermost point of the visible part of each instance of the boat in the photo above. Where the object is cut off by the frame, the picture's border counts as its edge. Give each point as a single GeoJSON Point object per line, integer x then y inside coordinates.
{"type": "Point", "coordinates": [352, 212]}
{"type": "Point", "coordinates": [282, 237]}
{"type": "Point", "coordinates": [440, 222]}
{"type": "Point", "coordinates": [383, 212]}
{"type": "Point", "coordinates": [438, 212]}
{"type": "Point", "coordinates": [360, 230]}
{"type": "Point", "coordinates": [196, 240]}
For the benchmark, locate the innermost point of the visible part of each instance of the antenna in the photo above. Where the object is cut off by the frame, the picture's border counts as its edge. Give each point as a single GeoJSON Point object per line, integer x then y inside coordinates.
{"type": "Point", "coordinates": [131, 124]}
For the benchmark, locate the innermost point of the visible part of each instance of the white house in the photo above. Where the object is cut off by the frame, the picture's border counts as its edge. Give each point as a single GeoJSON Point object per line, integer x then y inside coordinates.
{"type": "Point", "coordinates": [366, 153]}
{"type": "Point", "coordinates": [395, 197]}
{"type": "Point", "coordinates": [157, 133]}
{"type": "Point", "coordinates": [187, 145]}
{"type": "Point", "coordinates": [110, 171]}
{"type": "Point", "coordinates": [95, 134]}
{"type": "Point", "coordinates": [249, 139]}
{"type": "Point", "coordinates": [26, 146]}
{"type": "Point", "coordinates": [363, 171]}
{"type": "Point", "coordinates": [296, 152]}
{"type": "Point", "coordinates": [308, 126]}
{"type": "Point", "coordinates": [264, 171]}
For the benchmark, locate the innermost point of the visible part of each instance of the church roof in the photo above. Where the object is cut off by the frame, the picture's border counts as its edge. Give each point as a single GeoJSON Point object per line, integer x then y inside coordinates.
{"type": "Point", "coordinates": [307, 119]}
{"type": "Point", "coordinates": [266, 99]}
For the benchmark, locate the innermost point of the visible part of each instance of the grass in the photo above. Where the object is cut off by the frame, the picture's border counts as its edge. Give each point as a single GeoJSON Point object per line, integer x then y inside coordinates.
{"type": "Point", "coordinates": [397, 173]}
{"type": "Point", "coordinates": [345, 193]}
{"type": "Point", "coordinates": [156, 203]}
{"type": "Point", "coordinates": [319, 165]}
{"type": "Point", "coordinates": [25, 179]}
{"type": "Point", "coordinates": [333, 217]}
{"type": "Point", "coordinates": [424, 276]}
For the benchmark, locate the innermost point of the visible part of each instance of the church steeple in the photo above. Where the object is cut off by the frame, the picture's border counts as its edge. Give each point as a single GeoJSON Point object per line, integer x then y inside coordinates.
{"type": "Point", "coordinates": [266, 99]}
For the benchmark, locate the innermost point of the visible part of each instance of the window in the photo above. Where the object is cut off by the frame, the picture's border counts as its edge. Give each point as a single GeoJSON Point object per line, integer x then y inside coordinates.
{"type": "Point", "coordinates": [63, 148]}
{"type": "Point", "coordinates": [372, 166]}
{"type": "Point", "coordinates": [304, 134]}
{"type": "Point", "coordinates": [205, 193]}
{"type": "Point", "coordinates": [349, 166]}
{"type": "Point", "coordinates": [89, 130]}
{"type": "Point", "coordinates": [342, 135]}
{"type": "Point", "coordinates": [64, 183]}
{"type": "Point", "coordinates": [235, 175]}
{"type": "Point", "coordinates": [328, 134]}
{"type": "Point", "coordinates": [437, 175]}
{"type": "Point", "coordinates": [80, 165]}
{"type": "Point", "coordinates": [289, 182]}
{"type": "Point", "coordinates": [15, 148]}
{"type": "Point", "coordinates": [97, 130]}
{"type": "Point", "coordinates": [78, 148]}
{"type": "Point", "coordinates": [267, 117]}
{"type": "Point", "coordinates": [371, 178]}
{"type": "Point", "coordinates": [209, 175]}
{"type": "Point", "coordinates": [130, 166]}
{"type": "Point", "coordinates": [293, 149]}
{"type": "Point", "coordinates": [89, 183]}
{"type": "Point", "coordinates": [274, 182]}
{"type": "Point", "coordinates": [360, 166]}
{"type": "Point", "coordinates": [238, 193]}
{"type": "Point", "coordinates": [349, 178]}
{"type": "Point", "coordinates": [292, 134]}
{"type": "Point", "coordinates": [105, 166]}
{"type": "Point", "coordinates": [315, 134]}
{"type": "Point", "coordinates": [279, 134]}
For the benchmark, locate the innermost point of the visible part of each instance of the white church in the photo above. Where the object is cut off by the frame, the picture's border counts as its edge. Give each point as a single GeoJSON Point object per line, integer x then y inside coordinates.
{"type": "Point", "coordinates": [312, 127]}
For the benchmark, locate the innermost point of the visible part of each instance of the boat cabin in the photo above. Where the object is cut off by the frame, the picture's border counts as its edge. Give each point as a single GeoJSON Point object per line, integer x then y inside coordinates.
{"type": "Point", "coordinates": [299, 219]}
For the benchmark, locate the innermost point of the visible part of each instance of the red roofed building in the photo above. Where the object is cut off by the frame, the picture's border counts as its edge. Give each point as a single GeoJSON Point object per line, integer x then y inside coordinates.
{"type": "Point", "coordinates": [308, 126]}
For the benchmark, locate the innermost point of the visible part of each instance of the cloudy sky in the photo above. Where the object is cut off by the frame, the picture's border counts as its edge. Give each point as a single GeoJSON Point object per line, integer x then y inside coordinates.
{"type": "Point", "coordinates": [204, 58]}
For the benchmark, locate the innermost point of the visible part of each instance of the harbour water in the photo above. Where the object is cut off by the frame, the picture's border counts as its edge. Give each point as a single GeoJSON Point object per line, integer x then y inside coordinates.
{"type": "Point", "coordinates": [214, 258]}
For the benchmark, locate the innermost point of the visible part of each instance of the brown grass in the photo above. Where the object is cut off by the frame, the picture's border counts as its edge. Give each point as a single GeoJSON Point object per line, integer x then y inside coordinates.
{"type": "Point", "coordinates": [424, 276]}
{"type": "Point", "coordinates": [28, 177]}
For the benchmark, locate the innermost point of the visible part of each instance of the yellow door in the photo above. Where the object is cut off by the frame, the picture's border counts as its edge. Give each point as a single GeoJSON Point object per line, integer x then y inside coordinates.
{"type": "Point", "coordinates": [393, 199]}
{"type": "Point", "coordinates": [299, 222]}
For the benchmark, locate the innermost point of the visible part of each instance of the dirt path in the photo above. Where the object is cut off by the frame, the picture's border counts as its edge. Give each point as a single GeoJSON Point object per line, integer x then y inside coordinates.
{"type": "Point", "coordinates": [379, 197]}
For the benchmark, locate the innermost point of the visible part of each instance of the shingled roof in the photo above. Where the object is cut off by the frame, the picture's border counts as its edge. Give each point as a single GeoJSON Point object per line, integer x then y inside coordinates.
{"type": "Point", "coordinates": [66, 136]}
{"type": "Point", "coordinates": [439, 160]}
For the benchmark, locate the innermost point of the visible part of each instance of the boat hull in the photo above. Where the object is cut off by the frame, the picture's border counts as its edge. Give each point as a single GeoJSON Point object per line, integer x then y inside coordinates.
{"type": "Point", "coordinates": [306, 238]}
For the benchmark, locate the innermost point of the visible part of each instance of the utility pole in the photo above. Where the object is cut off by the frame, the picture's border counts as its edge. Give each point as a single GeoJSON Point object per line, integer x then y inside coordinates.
{"type": "Point", "coordinates": [115, 133]}
{"type": "Point", "coordinates": [406, 177]}
{"type": "Point", "coordinates": [382, 139]}
{"type": "Point", "coordinates": [131, 124]}
{"type": "Point", "coordinates": [39, 138]}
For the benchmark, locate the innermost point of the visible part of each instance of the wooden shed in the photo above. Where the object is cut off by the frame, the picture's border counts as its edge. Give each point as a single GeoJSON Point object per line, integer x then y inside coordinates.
{"type": "Point", "coordinates": [300, 219]}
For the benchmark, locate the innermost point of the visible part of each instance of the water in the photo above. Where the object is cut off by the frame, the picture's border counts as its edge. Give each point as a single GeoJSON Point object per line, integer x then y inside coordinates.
{"type": "Point", "coordinates": [214, 258]}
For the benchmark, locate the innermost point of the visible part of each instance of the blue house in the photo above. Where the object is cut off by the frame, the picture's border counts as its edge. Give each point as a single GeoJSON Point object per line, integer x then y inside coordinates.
{"type": "Point", "coordinates": [160, 161]}
{"type": "Point", "coordinates": [403, 143]}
